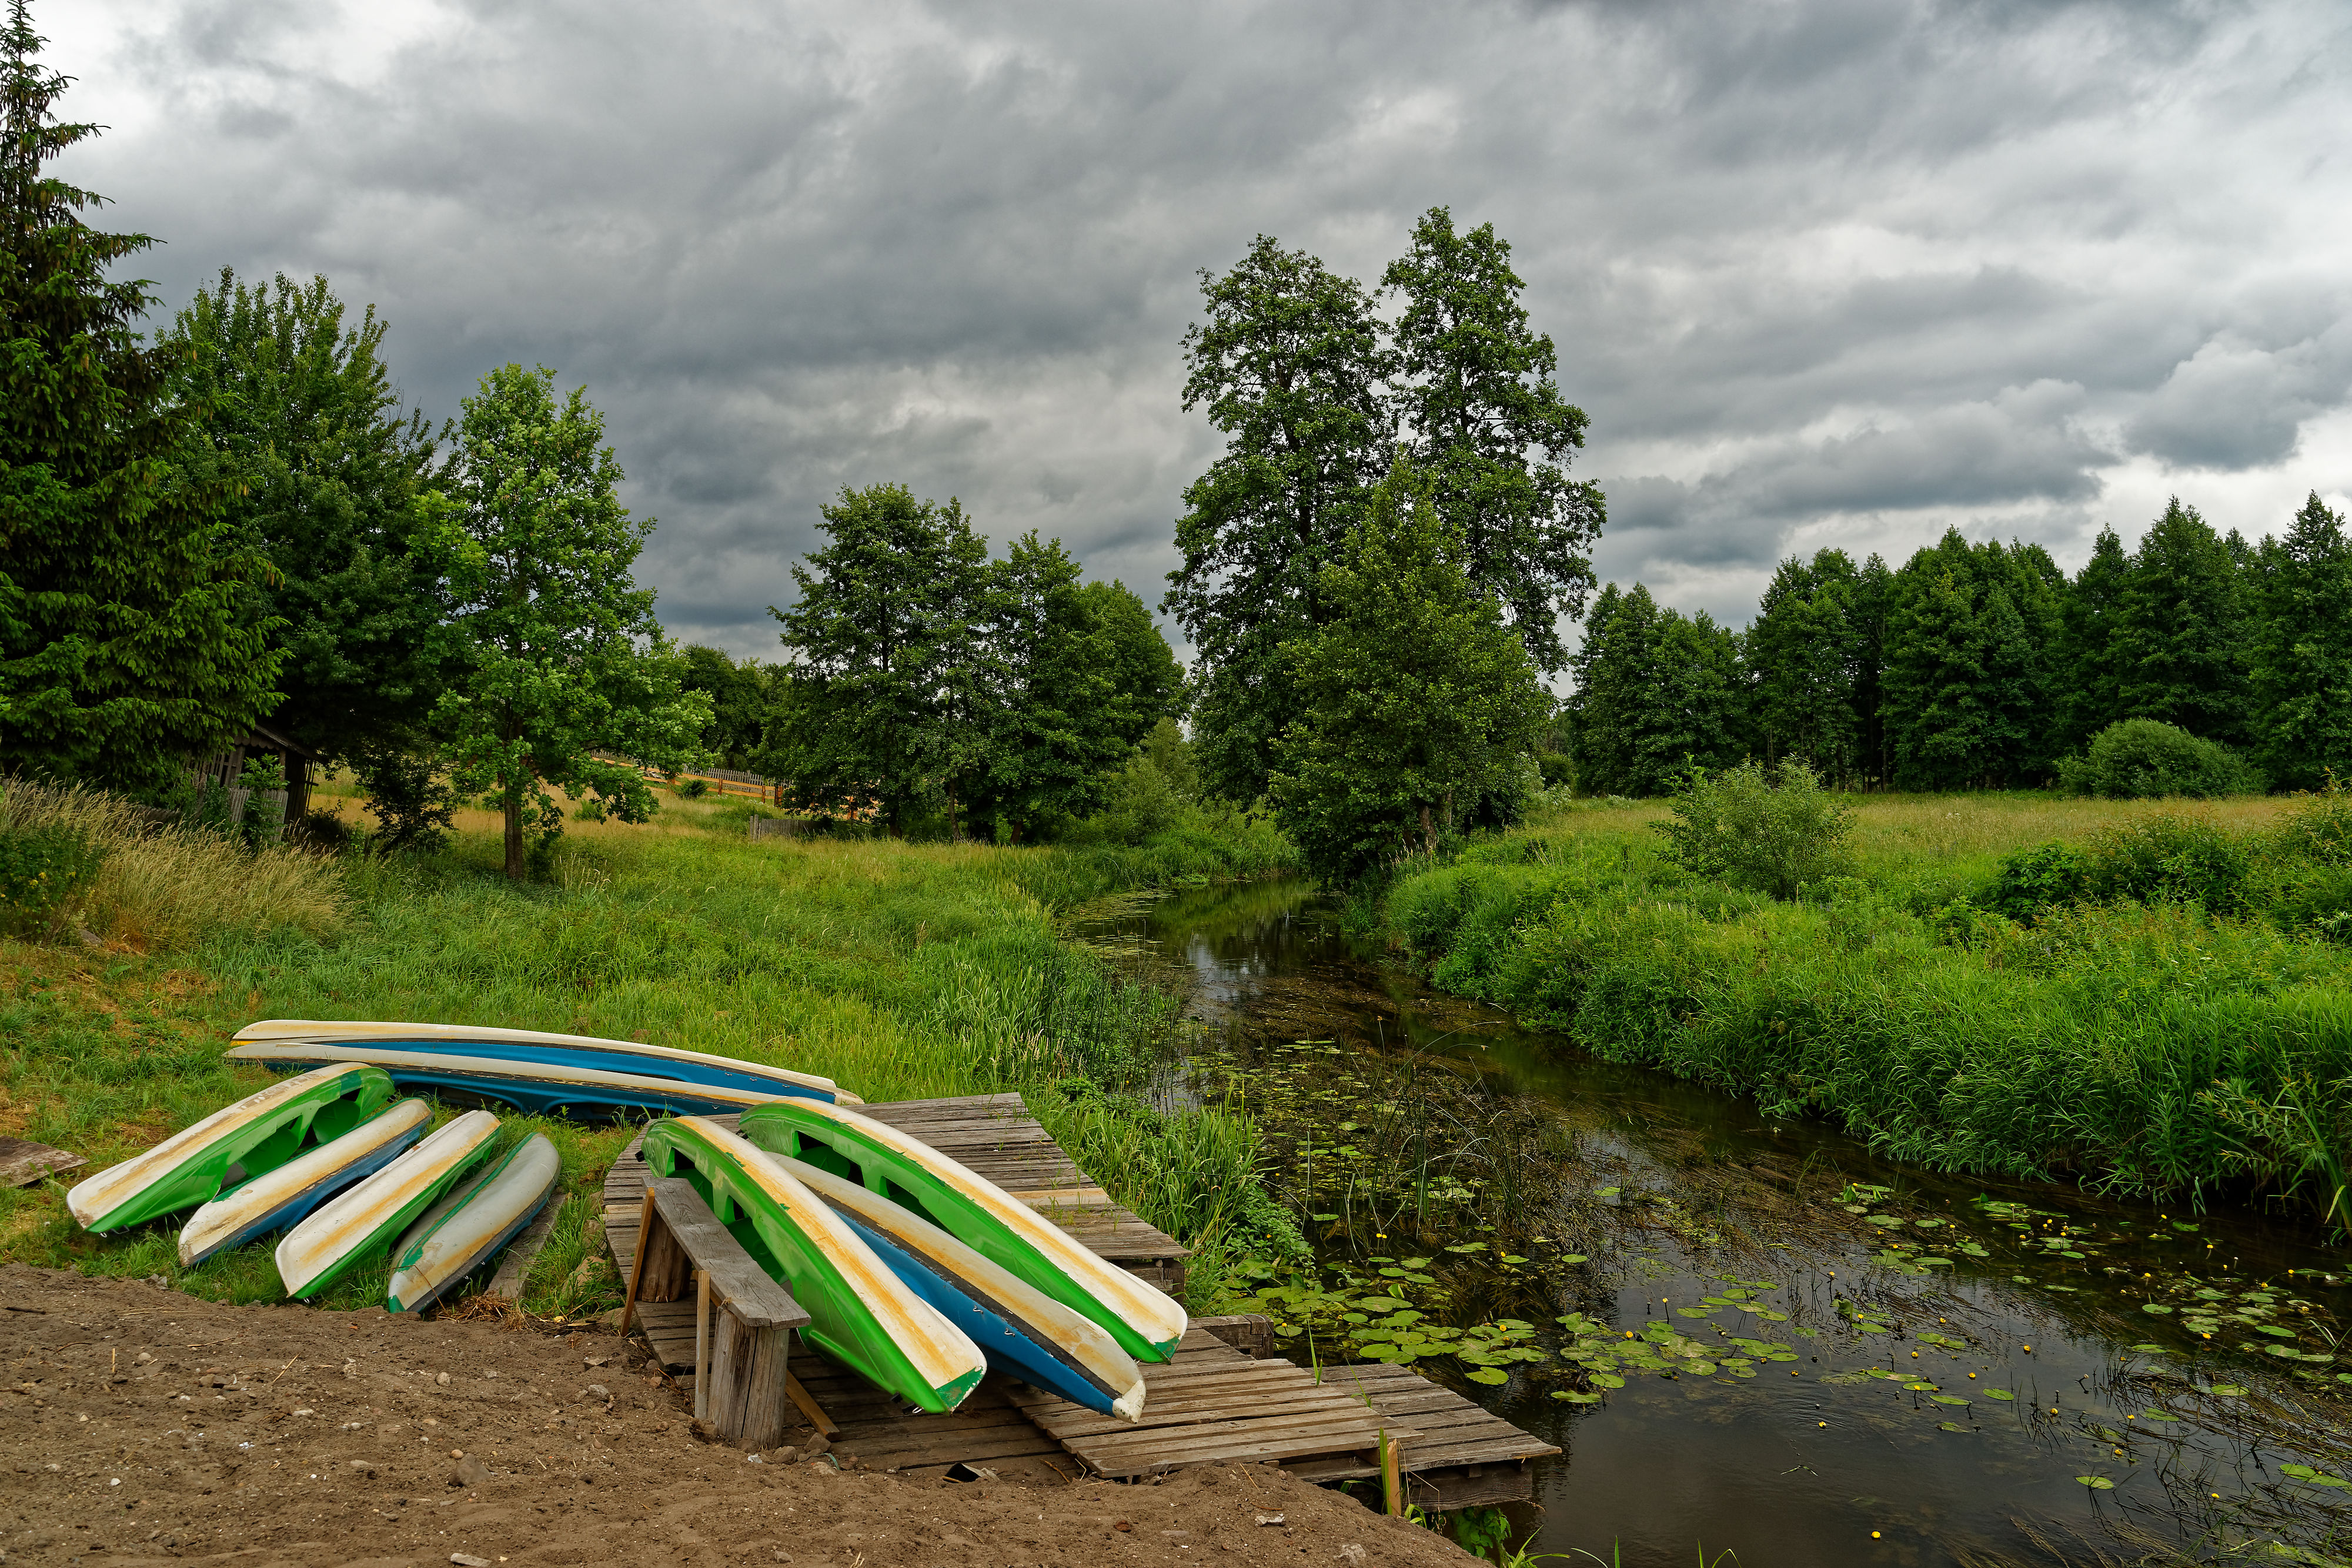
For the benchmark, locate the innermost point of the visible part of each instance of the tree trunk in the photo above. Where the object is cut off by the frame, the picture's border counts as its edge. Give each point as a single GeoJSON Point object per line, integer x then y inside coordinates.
{"type": "Point", "coordinates": [1428, 838]}
{"type": "Point", "coordinates": [514, 832]}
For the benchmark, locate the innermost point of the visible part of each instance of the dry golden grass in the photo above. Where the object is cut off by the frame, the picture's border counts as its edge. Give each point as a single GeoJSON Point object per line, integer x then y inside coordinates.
{"type": "Point", "coordinates": [161, 886]}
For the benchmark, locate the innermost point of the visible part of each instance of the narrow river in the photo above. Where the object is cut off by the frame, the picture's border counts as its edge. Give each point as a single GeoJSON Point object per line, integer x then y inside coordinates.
{"type": "Point", "coordinates": [1749, 1337]}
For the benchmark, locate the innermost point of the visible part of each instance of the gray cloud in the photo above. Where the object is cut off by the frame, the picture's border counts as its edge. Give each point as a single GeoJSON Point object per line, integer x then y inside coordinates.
{"type": "Point", "coordinates": [1824, 270]}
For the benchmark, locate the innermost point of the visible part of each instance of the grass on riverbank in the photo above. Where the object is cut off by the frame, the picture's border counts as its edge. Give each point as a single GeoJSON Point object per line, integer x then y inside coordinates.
{"type": "Point", "coordinates": [2140, 1047]}
{"type": "Point", "coordinates": [902, 970]}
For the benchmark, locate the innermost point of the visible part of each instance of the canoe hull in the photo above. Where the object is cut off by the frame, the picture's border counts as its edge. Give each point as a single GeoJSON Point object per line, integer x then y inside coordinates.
{"type": "Point", "coordinates": [286, 1197]}
{"type": "Point", "coordinates": [256, 1135]}
{"type": "Point", "coordinates": [471, 1224]}
{"type": "Point", "coordinates": [363, 1221]}
{"type": "Point", "coordinates": [532, 1088]}
{"type": "Point", "coordinates": [861, 1314]}
{"type": "Point", "coordinates": [1022, 1331]}
{"type": "Point", "coordinates": [283, 1040]}
{"type": "Point", "coordinates": [976, 1211]}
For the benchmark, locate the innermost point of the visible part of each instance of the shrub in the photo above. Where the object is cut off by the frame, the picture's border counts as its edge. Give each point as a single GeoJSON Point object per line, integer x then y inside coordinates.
{"type": "Point", "coordinates": [2142, 759]}
{"type": "Point", "coordinates": [43, 869]}
{"type": "Point", "coordinates": [2170, 859]}
{"type": "Point", "coordinates": [2032, 880]}
{"type": "Point", "coordinates": [1771, 832]}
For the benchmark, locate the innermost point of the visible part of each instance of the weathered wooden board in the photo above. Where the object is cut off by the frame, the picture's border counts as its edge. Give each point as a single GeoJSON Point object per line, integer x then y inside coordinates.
{"type": "Point", "coordinates": [22, 1161]}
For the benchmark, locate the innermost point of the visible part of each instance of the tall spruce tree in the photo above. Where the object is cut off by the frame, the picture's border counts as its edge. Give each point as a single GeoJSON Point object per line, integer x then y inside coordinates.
{"type": "Point", "coordinates": [1969, 635]}
{"type": "Point", "coordinates": [2178, 650]}
{"type": "Point", "coordinates": [305, 432]}
{"type": "Point", "coordinates": [1485, 424]}
{"type": "Point", "coordinates": [1806, 655]}
{"type": "Point", "coordinates": [1656, 692]}
{"type": "Point", "coordinates": [1289, 365]}
{"type": "Point", "coordinates": [125, 644]}
{"type": "Point", "coordinates": [2302, 652]}
{"type": "Point", "coordinates": [2090, 680]}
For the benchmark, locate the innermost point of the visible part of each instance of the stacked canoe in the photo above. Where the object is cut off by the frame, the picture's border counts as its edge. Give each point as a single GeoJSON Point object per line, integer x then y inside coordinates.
{"type": "Point", "coordinates": [917, 1273]}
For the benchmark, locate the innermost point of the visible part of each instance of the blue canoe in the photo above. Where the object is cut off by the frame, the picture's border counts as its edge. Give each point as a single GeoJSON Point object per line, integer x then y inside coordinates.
{"type": "Point", "coordinates": [546, 1074]}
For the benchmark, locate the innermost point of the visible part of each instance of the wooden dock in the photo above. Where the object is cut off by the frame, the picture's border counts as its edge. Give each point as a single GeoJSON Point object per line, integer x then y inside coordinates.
{"type": "Point", "coordinates": [1213, 1404]}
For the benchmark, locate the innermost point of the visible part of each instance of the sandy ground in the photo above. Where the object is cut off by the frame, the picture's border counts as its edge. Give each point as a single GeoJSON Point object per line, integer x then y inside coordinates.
{"type": "Point", "coordinates": [139, 1425]}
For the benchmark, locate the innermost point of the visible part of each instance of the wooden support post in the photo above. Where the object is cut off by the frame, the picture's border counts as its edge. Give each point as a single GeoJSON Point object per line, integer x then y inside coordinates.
{"type": "Point", "coordinates": [637, 1264]}
{"type": "Point", "coordinates": [702, 1344]}
{"type": "Point", "coordinates": [747, 1382]}
{"type": "Point", "coordinates": [809, 1407]}
{"type": "Point", "coordinates": [1391, 1473]}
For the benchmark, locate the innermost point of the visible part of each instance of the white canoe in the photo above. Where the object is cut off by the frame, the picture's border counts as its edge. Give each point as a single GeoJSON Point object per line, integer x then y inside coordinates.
{"type": "Point", "coordinates": [294, 1041]}
{"type": "Point", "coordinates": [284, 1196]}
{"type": "Point", "coordinates": [468, 1228]}
{"type": "Point", "coordinates": [364, 1219]}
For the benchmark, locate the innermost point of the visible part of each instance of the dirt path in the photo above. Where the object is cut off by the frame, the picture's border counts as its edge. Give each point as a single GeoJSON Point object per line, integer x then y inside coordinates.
{"type": "Point", "coordinates": [139, 1425]}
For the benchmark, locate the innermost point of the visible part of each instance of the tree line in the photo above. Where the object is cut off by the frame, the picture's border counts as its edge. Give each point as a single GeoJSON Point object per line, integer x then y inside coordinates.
{"type": "Point", "coordinates": [1983, 665]}
{"type": "Point", "coordinates": [239, 521]}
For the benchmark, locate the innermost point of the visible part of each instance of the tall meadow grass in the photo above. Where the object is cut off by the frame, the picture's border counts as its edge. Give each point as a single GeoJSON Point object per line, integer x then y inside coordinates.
{"type": "Point", "coordinates": [901, 970]}
{"type": "Point", "coordinates": [2151, 1049]}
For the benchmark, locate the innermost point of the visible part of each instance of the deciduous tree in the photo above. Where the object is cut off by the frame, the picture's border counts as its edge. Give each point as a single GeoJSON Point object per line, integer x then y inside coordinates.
{"type": "Point", "coordinates": [557, 651]}
{"type": "Point", "coordinates": [1416, 696]}
{"type": "Point", "coordinates": [1289, 365]}
{"type": "Point", "coordinates": [1477, 392]}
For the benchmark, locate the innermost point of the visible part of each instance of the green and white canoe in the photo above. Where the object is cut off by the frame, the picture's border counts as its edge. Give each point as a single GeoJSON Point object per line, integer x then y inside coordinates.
{"type": "Point", "coordinates": [232, 1145]}
{"type": "Point", "coordinates": [861, 1313]}
{"type": "Point", "coordinates": [466, 1228]}
{"type": "Point", "coordinates": [976, 1211]}
{"type": "Point", "coordinates": [363, 1221]}
{"type": "Point", "coordinates": [282, 1199]}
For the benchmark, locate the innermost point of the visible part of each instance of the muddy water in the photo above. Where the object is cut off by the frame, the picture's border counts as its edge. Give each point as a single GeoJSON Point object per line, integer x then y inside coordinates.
{"type": "Point", "coordinates": [1777, 1345]}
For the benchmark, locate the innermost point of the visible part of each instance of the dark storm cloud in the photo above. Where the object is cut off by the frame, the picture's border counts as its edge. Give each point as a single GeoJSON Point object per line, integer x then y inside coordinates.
{"type": "Point", "coordinates": [1816, 269]}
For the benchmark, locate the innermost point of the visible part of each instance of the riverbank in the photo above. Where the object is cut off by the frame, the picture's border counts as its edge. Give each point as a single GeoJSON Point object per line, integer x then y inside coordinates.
{"type": "Point", "coordinates": [2149, 1048]}
{"type": "Point", "coordinates": [901, 970]}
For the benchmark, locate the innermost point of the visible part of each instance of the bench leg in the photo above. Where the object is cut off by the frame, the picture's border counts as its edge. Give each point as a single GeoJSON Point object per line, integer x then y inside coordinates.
{"type": "Point", "coordinates": [747, 1384]}
{"type": "Point", "coordinates": [702, 1344]}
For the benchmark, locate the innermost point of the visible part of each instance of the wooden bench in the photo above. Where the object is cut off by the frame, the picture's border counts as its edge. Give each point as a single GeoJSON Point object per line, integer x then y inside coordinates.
{"type": "Point", "coordinates": [741, 1384]}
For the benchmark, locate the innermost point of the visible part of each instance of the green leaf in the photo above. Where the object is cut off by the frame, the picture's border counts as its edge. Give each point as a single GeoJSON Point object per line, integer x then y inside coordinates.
{"type": "Point", "coordinates": [2000, 1393]}
{"type": "Point", "coordinates": [1490, 1374]}
{"type": "Point", "coordinates": [2096, 1483]}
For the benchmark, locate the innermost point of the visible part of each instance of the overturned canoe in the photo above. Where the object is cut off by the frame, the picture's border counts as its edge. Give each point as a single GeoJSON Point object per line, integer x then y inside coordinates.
{"type": "Point", "coordinates": [1018, 1327]}
{"type": "Point", "coordinates": [860, 1312]}
{"type": "Point", "coordinates": [258, 1133]}
{"type": "Point", "coordinates": [976, 1211]}
{"type": "Point", "coordinates": [557, 1072]}
{"type": "Point", "coordinates": [467, 1227]}
{"type": "Point", "coordinates": [364, 1220]}
{"type": "Point", "coordinates": [284, 1196]}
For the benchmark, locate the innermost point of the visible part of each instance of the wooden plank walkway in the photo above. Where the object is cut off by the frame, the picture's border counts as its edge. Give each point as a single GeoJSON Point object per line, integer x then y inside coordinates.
{"type": "Point", "coordinates": [1210, 1404]}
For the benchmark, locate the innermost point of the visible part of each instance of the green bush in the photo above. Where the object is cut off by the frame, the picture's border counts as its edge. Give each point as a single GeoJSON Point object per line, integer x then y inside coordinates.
{"type": "Point", "coordinates": [1768, 831]}
{"type": "Point", "coordinates": [2172, 859]}
{"type": "Point", "coordinates": [2034, 879]}
{"type": "Point", "coordinates": [2143, 759]}
{"type": "Point", "coordinates": [42, 871]}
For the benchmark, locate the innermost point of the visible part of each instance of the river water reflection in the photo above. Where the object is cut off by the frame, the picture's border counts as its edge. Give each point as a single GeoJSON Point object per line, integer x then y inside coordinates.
{"type": "Point", "coordinates": [1982, 1372]}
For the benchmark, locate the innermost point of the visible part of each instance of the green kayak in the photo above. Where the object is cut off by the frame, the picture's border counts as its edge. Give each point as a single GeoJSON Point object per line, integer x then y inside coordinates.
{"type": "Point", "coordinates": [362, 1222]}
{"type": "Point", "coordinates": [976, 1211]}
{"type": "Point", "coordinates": [250, 1138]}
{"type": "Point", "coordinates": [861, 1313]}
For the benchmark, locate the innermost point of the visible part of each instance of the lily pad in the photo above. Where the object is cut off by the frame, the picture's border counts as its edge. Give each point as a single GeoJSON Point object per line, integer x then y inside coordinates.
{"type": "Point", "coordinates": [2228, 1390]}
{"type": "Point", "coordinates": [1575, 1396]}
{"type": "Point", "coordinates": [2096, 1483]}
{"type": "Point", "coordinates": [2001, 1394]}
{"type": "Point", "coordinates": [1950, 1399]}
{"type": "Point", "coordinates": [1604, 1380]}
{"type": "Point", "coordinates": [1490, 1374]}
{"type": "Point", "coordinates": [1950, 1427]}
{"type": "Point", "coordinates": [2314, 1477]}
{"type": "Point", "coordinates": [2157, 1307]}
{"type": "Point", "coordinates": [2150, 1349]}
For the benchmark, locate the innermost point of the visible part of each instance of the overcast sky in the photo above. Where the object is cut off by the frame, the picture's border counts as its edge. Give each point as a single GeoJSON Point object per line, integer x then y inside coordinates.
{"type": "Point", "coordinates": [1821, 272]}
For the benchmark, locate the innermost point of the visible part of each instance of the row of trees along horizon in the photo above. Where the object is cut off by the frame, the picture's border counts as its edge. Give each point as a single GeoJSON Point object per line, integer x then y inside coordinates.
{"type": "Point", "coordinates": [241, 521]}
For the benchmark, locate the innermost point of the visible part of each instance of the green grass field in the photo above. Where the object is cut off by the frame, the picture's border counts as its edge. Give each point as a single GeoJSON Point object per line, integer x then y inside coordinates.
{"type": "Point", "coordinates": [901, 970]}
{"type": "Point", "coordinates": [2150, 1046]}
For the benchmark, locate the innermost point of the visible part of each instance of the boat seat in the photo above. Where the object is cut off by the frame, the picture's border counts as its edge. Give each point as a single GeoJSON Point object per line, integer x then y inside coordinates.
{"type": "Point", "coordinates": [743, 1318]}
